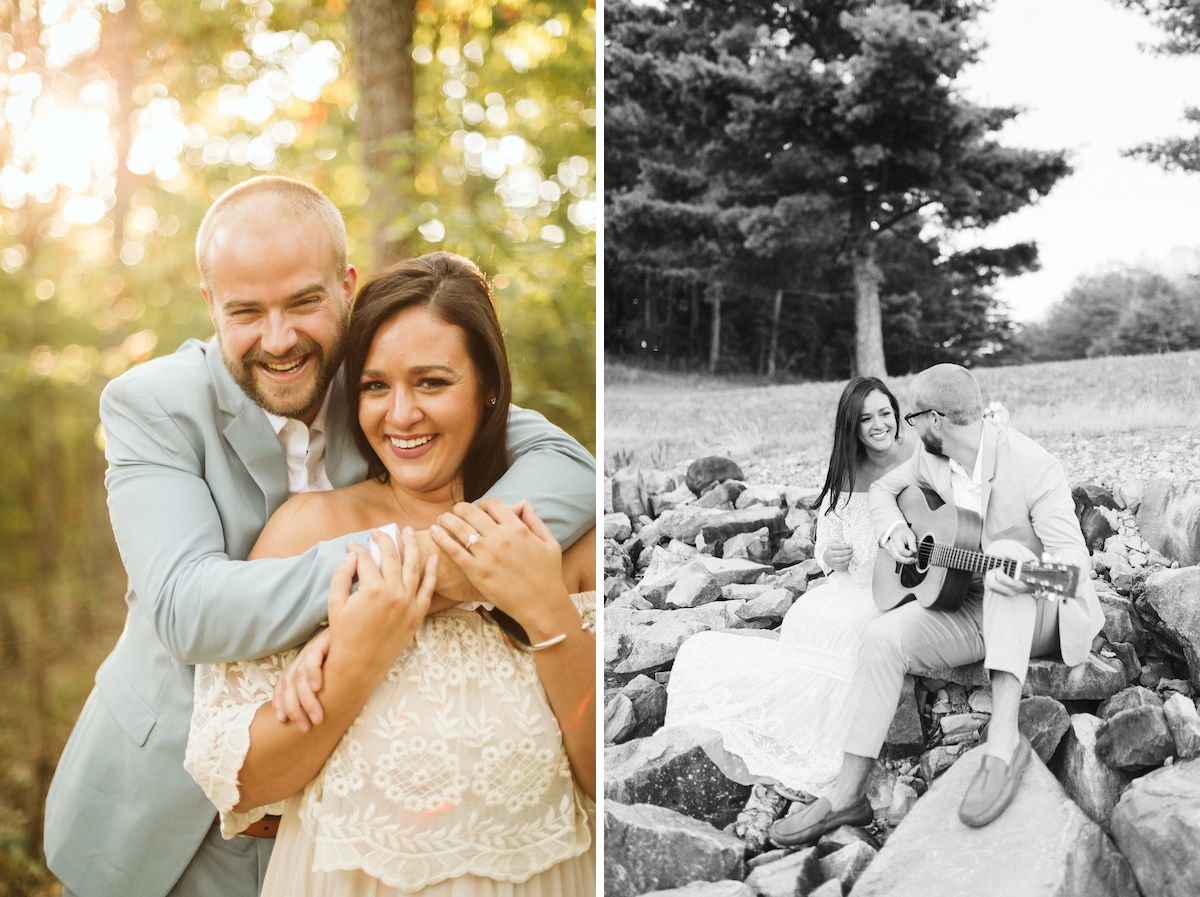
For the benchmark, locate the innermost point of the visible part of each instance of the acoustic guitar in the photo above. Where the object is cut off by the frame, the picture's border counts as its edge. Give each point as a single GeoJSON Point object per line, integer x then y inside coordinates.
{"type": "Point", "coordinates": [948, 555]}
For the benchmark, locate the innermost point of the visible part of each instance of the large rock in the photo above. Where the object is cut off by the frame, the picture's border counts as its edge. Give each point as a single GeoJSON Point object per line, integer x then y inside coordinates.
{"type": "Point", "coordinates": [1174, 597]}
{"type": "Point", "coordinates": [670, 769]}
{"type": "Point", "coordinates": [754, 546]}
{"type": "Point", "coordinates": [629, 493]}
{"type": "Point", "coordinates": [770, 604]}
{"type": "Point", "coordinates": [796, 873]}
{"type": "Point", "coordinates": [717, 531]}
{"type": "Point", "coordinates": [685, 523]}
{"type": "Point", "coordinates": [848, 864]}
{"type": "Point", "coordinates": [726, 888]}
{"type": "Point", "coordinates": [1184, 723]}
{"type": "Point", "coordinates": [1042, 845]}
{"type": "Point", "coordinates": [620, 720]}
{"type": "Point", "coordinates": [1135, 739]}
{"type": "Point", "coordinates": [1127, 699]}
{"type": "Point", "coordinates": [655, 646]}
{"type": "Point", "coordinates": [695, 587]}
{"type": "Point", "coordinates": [649, 701]}
{"type": "Point", "coordinates": [617, 526]}
{"type": "Point", "coordinates": [1092, 784]}
{"type": "Point", "coordinates": [616, 560]}
{"type": "Point", "coordinates": [1043, 721]}
{"type": "Point", "coordinates": [905, 735]}
{"type": "Point", "coordinates": [1093, 680]}
{"type": "Point", "coordinates": [1169, 518]}
{"type": "Point", "coordinates": [723, 495]}
{"type": "Point", "coordinates": [1157, 826]}
{"type": "Point", "coordinates": [704, 472]}
{"type": "Point", "coordinates": [650, 848]}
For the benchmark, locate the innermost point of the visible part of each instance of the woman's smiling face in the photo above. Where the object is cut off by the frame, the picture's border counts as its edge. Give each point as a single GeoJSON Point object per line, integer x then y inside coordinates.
{"type": "Point", "coordinates": [420, 400]}
{"type": "Point", "coordinates": [876, 422]}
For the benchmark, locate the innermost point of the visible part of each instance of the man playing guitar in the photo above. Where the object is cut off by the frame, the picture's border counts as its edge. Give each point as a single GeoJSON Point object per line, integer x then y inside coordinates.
{"type": "Point", "coordinates": [1020, 494]}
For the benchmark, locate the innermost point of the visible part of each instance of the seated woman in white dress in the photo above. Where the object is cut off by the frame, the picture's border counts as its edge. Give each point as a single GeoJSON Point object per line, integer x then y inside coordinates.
{"type": "Point", "coordinates": [776, 711]}
{"type": "Point", "coordinates": [450, 759]}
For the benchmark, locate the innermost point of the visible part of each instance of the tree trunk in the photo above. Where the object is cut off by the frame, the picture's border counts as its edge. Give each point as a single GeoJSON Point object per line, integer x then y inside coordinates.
{"type": "Point", "coordinates": [120, 40]}
{"type": "Point", "coordinates": [381, 31]}
{"type": "Point", "coordinates": [868, 318]}
{"type": "Point", "coordinates": [776, 314]}
{"type": "Point", "coordinates": [714, 346]}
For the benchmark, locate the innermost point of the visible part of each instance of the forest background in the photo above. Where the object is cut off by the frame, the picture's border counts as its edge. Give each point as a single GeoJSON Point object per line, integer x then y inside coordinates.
{"type": "Point", "coordinates": [461, 125]}
{"type": "Point", "coordinates": [787, 187]}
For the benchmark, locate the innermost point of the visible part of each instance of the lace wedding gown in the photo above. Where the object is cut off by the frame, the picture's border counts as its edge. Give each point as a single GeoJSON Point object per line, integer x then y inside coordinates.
{"type": "Point", "coordinates": [777, 710]}
{"type": "Point", "coordinates": [453, 781]}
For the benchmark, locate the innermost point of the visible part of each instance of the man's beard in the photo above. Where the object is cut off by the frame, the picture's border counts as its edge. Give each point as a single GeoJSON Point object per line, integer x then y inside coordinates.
{"type": "Point", "coordinates": [933, 444]}
{"type": "Point", "coordinates": [287, 400]}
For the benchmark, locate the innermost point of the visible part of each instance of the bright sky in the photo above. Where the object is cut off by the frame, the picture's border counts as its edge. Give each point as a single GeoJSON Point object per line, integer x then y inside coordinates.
{"type": "Point", "coordinates": [1079, 69]}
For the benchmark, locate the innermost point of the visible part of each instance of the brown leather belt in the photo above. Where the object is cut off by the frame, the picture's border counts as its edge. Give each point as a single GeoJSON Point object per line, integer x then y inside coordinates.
{"type": "Point", "coordinates": [267, 827]}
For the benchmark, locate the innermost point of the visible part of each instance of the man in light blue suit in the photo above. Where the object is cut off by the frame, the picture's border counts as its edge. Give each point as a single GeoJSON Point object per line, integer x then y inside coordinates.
{"type": "Point", "coordinates": [202, 446]}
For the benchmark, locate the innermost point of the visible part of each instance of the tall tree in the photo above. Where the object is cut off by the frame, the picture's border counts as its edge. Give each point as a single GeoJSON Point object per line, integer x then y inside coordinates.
{"type": "Point", "coordinates": [822, 127]}
{"type": "Point", "coordinates": [382, 32]}
{"type": "Point", "coordinates": [1180, 22]}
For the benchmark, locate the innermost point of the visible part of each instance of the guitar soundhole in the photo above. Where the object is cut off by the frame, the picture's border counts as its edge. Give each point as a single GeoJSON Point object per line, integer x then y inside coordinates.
{"type": "Point", "coordinates": [924, 554]}
{"type": "Point", "coordinates": [911, 575]}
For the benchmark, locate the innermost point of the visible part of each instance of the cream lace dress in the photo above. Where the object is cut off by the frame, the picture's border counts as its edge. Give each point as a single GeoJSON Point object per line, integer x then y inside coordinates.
{"type": "Point", "coordinates": [452, 781]}
{"type": "Point", "coordinates": [778, 710]}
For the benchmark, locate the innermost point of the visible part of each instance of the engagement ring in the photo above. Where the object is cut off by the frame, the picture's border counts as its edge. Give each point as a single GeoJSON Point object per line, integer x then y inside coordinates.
{"type": "Point", "coordinates": [472, 539]}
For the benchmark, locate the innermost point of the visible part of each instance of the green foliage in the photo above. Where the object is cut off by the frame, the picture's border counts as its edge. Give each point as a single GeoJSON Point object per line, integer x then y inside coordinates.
{"type": "Point", "coordinates": [120, 123]}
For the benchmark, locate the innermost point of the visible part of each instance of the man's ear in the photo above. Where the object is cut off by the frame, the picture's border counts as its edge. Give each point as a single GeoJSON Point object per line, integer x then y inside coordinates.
{"type": "Point", "coordinates": [208, 301]}
{"type": "Point", "coordinates": [349, 283]}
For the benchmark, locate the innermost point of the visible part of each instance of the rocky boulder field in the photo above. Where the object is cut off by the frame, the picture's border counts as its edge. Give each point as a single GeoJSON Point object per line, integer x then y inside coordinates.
{"type": "Point", "coordinates": [1110, 804]}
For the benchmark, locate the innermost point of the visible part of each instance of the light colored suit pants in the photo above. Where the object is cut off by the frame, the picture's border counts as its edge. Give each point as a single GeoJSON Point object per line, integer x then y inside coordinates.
{"type": "Point", "coordinates": [220, 868]}
{"type": "Point", "coordinates": [1003, 632]}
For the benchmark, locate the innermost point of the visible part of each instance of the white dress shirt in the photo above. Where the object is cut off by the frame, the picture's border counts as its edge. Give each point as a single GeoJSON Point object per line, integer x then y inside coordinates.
{"type": "Point", "coordinates": [304, 447]}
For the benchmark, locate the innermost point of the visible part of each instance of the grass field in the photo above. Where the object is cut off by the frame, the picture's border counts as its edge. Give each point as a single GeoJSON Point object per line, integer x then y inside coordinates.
{"type": "Point", "coordinates": [659, 420]}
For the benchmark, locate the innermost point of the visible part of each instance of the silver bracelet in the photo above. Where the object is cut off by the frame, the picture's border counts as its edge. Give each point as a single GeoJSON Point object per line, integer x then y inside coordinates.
{"type": "Point", "coordinates": [550, 642]}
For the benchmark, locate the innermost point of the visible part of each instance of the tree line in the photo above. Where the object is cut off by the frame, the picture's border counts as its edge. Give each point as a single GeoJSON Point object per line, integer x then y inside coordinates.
{"type": "Point", "coordinates": [782, 183]}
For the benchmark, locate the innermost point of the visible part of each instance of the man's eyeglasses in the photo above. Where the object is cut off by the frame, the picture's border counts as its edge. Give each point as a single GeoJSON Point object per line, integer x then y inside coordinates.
{"type": "Point", "coordinates": [908, 418]}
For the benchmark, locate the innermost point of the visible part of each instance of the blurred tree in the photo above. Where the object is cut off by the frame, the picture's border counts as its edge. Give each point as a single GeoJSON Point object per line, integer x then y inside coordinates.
{"type": "Point", "coordinates": [382, 31]}
{"type": "Point", "coordinates": [1180, 21]}
{"type": "Point", "coordinates": [1124, 311]}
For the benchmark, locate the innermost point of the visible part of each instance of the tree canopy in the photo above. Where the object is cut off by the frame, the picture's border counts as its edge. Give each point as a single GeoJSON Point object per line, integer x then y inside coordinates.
{"type": "Point", "coordinates": [1180, 23]}
{"type": "Point", "coordinates": [767, 162]}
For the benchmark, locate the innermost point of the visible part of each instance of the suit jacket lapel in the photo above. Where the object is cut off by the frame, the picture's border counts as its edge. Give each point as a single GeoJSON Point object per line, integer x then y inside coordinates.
{"type": "Point", "coordinates": [249, 433]}
{"type": "Point", "coordinates": [987, 469]}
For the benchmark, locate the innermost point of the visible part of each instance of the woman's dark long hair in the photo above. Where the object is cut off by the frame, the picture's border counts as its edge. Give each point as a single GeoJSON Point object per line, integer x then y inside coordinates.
{"type": "Point", "coordinates": [454, 290]}
{"type": "Point", "coordinates": [848, 451]}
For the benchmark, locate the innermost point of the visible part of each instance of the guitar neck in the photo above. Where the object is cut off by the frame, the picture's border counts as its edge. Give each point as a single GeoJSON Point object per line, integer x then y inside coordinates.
{"type": "Point", "coordinates": [954, 558]}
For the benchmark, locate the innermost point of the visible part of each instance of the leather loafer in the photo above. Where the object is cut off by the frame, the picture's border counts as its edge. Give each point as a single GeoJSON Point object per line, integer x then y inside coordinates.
{"type": "Point", "coordinates": [818, 818]}
{"type": "Point", "coordinates": [993, 787]}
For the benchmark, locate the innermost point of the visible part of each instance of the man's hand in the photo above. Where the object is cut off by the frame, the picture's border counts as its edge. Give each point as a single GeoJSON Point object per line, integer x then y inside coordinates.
{"type": "Point", "coordinates": [838, 556]}
{"type": "Point", "coordinates": [1000, 582]}
{"type": "Point", "coordinates": [453, 587]}
{"type": "Point", "coordinates": [299, 684]}
{"type": "Point", "coordinates": [902, 544]}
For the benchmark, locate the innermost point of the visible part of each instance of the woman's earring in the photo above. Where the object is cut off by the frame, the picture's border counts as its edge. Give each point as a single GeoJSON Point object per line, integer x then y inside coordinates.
{"type": "Point", "coordinates": [492, 400]}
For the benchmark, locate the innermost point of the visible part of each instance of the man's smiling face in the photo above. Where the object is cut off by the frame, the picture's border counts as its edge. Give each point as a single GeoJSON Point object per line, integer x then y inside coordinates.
{"type": "Point", "coordinates": [278, 306]}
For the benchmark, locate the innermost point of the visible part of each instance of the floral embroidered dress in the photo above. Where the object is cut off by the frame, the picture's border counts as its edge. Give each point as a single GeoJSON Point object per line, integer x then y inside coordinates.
{"type": "Point", "coordinates": [453, 780]}
{"type": "Point", "coordinates": [779, 710]}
